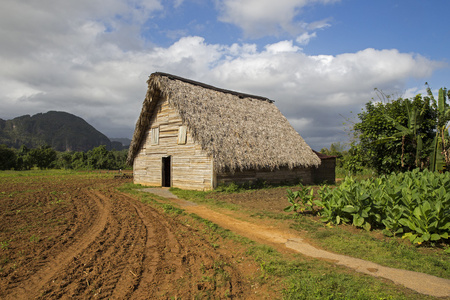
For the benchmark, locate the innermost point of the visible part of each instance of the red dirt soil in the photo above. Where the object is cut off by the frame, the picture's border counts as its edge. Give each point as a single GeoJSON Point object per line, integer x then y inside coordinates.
{"type": "Point", "coordinates": [69, 237]}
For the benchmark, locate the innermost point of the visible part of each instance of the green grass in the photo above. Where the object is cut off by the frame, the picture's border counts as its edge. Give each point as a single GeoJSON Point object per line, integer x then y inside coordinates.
{"type": "Point", "coordinates": [201, 197]}
{"type": "Point", "coordinates": [36, 172]}
{"type": "Point", "coordinates": [272, 215]}
{"type": "Point", "coordinates": [364, 174]}
{"type": "Point", "coordinates": [51, 174]}
{"type": "Point", "coordinates": [197, 196]}
{"type": "Point", "coordinates": [391, 252]}
{"type": "Point", "coordinates": [305, 278]}
{"type": "Point", "coordinates": [145, 197]}
{"type": "Point", "coordinates": [170, 209]}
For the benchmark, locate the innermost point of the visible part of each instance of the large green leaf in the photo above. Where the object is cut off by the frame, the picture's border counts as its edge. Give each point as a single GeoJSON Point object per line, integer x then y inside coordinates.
{"type": "Point", "coordinates": [367, 226]}
{"type": "Point", "coordinates": [349, 209]}
{"type": "Point", "coordinates": [435, 237]}
{"type": "Point", "coordinates": [358, 220]}
{"type": "Point", "coordinates": [426, 236]}
{"type": "Point", "coordinates": [418, 213]}
{"type": "Point", "coordinates": [289, 208]}
{"type": "Point", "coordinates": [407, 223]}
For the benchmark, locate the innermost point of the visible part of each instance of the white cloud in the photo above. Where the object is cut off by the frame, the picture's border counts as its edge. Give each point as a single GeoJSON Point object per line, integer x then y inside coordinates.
{"type": "Point", "coordinates": [107, 84]}
{"type": "Point", "coordinates": [323, 76]}
{"type": "Point", "coordinates": [304, 38]}
{"type": "Point", "coordinates": [30, 26]}
{"type": "Point", "coordinates": [301, 124]}
{"type": "Point", "coordinates": [267, 17]}
{"type": "Point", "coordinates": [13, 90]}
{"type": "Point", "coordinates": [411, 92]}
{"type": "Point", "coordinates": [280, 47]}
{"type": "Point", "coordinates": [186, 57]}
{"type": "Point", "coordinates": [83, 59]}
{"type": "Point", "coordinates": [177, 3]}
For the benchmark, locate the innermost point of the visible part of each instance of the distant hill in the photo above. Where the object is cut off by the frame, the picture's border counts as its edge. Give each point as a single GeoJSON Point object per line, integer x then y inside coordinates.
{"type": "Point", "coordinates": [123, 141]}
{"type": "Point", "coordinates": [60, 130]}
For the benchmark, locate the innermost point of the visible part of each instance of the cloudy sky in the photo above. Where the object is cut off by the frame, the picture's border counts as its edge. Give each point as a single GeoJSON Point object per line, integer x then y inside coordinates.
{"type": "Point", "coordinates": [320, 60]}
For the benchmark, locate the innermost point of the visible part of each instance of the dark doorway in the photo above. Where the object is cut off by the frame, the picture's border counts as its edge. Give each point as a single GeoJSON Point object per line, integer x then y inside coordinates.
{"type": "Point", "coordinates": [166, 170]}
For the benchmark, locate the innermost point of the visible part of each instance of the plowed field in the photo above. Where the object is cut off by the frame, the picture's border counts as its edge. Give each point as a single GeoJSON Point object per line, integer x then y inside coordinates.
{"type": "Point", "coordinates": [69, 236]}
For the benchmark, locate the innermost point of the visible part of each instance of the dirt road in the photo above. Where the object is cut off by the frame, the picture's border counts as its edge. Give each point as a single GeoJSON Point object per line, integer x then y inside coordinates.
{"type": "Point", "coordinates": [78, 240]}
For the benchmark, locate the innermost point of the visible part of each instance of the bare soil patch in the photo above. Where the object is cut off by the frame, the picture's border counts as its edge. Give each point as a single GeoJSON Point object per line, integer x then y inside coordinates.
{"type": "Point", "coordinates": [73, 237]}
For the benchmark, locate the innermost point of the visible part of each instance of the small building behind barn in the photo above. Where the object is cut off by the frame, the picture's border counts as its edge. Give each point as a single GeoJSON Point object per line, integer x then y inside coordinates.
{"type": "Point", "coordinates": [326, 172]}
{"type": "Point", "coordinates": [195, 136]}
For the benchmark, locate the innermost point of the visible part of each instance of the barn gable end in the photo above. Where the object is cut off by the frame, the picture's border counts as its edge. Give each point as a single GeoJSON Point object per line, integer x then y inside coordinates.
{"type": "Point", "coordinates": [185, 165]}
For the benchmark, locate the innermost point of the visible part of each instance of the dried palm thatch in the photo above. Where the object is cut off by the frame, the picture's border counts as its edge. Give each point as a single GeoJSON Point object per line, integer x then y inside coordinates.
{"type": "Point", "coordinates": [239, 131]}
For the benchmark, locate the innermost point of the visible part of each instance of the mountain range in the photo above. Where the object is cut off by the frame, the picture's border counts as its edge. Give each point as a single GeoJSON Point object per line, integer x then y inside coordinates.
{"type": "Point", "coordinates": [60, 130]}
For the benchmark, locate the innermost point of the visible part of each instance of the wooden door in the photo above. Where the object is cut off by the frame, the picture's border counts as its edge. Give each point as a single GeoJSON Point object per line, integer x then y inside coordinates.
{"type": "Point", "coordinates": [166, 171]}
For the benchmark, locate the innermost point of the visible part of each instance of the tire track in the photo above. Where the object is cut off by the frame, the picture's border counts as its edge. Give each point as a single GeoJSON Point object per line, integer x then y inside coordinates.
{"type": "Point", "coordinates": [178, 262]}
{"type": "Point", "coordinates": [108, 265]}
{"type": "Point", "coordinates": [32, 286]}
{"type": "Point", "coordinates": [163, 256]}
{"type": "Point", "coordinates": [150, 258]}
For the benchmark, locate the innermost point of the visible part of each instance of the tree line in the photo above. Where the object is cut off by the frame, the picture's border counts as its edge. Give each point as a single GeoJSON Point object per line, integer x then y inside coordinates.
{"type": "Point", "coordinates": [47, 158]}
{"type": "Point", "coordinates": [398, 135]}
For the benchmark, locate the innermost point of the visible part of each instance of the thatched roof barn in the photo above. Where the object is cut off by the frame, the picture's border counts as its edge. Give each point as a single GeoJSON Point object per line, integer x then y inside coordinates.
{"type": "Point", "coordinates": [224, 133]}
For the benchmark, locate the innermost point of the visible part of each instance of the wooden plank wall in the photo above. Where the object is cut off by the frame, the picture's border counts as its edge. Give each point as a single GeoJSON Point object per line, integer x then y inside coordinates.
{"type": "Point", "coordinates": [282, 175]}
{"type": "Point", "coordinates": [191, 166]}
{"type": "Point", "coordinates": [326, 172]}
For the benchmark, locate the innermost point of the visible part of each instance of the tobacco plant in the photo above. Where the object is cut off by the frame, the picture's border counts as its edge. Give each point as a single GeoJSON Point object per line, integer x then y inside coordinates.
{"type": "Point", "coordinates": [301, 200]}
{"type": "Point", "coordinates": [414, 204]}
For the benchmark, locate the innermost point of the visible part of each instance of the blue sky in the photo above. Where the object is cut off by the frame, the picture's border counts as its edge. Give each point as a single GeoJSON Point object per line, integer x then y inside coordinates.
{"type": "Point", "coordinates": [320, 60]}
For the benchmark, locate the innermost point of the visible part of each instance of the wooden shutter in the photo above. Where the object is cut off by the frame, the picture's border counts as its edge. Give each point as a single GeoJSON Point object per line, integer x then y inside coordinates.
{"type": "Point", "coordinates": [182, 132]}
{"type": "Point", "coordinates": [155, 136]}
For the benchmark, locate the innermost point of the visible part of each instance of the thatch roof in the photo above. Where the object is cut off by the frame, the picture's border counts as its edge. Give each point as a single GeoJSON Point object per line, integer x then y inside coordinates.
{"type": "Point", "coordinates": [239, 131]}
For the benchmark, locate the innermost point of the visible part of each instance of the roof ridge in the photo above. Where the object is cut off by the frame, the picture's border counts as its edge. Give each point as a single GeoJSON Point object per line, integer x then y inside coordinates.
{"type": "Point", "coordinates": [204, 85]}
